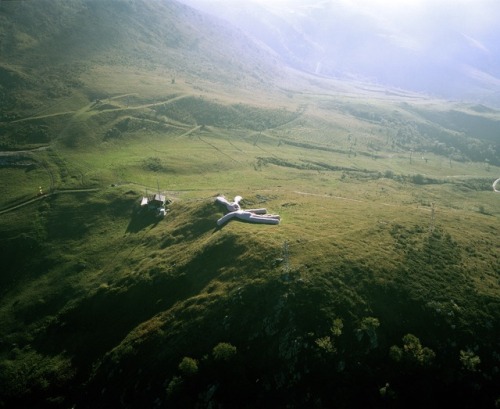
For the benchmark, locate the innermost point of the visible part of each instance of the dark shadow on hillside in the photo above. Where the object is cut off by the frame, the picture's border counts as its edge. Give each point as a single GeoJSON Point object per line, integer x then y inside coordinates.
{"type": "Point", "coordinates": [99, 322]}
{"type": "Point", "coordinates": [142, 219]}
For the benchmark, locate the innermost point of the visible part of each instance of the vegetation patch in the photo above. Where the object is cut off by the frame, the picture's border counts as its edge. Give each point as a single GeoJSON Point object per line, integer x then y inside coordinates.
{"type": "Point", "coordinates": [378, 288]}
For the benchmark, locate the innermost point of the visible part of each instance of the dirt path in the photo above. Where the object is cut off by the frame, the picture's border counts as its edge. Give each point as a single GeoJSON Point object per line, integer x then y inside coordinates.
{"type": "Point", "coordinates": [89, 108]}
{"type": "Point", "coordinates": [152, 104]}
{"type": "Point", "coordinates": [14, 153]}
{"type": "Point", "coordinates": [190, 131]}
{"type": "Point", "coordinates": [30, 118]}
{"type": "Point", "coordinates": [41, 197]}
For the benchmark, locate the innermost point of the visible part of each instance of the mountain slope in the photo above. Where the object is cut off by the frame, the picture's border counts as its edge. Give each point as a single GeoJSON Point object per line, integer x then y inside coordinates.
{"type": "Point", "coordinates": [380, 282]}
{"type": "Point", "coordinates": [437, 48]}
{"type": "Point", "coordinates": [48, 45]}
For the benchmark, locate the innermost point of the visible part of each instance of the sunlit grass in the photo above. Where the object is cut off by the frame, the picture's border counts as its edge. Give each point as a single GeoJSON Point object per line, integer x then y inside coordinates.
{"type": "Point", "coordinates": [358, 217]}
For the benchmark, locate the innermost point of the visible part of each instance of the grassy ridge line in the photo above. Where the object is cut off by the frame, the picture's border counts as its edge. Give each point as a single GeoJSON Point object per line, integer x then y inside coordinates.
{"type": "Point", "coordinates": [302, 221]}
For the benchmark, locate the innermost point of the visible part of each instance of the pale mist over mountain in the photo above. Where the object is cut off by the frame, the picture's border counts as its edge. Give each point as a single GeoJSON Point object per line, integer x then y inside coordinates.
{"type": "Point", "coordinates": [447, 48]}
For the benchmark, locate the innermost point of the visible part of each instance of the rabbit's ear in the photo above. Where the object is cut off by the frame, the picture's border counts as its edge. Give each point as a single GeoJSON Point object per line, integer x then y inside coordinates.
{"type": "Point", "coordinates": [222, 199]}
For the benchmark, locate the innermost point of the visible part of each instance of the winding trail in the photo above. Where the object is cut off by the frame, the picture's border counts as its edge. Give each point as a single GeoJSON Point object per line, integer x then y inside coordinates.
{"type": "Point", "coordinates": [30, 118]}
{"type": "Point", "coordinates": [44, 196]}
{"type": "Point", "coordinates": [14, 153]}
{"type": "Point", "coordinates": [189, 132]}
{"type": "Point", "coordinates": [92, 108]}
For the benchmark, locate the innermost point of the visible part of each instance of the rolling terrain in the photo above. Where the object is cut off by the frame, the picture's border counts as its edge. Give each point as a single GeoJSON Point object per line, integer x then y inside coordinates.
{"type": "Point", "coordinates": [381, 281]}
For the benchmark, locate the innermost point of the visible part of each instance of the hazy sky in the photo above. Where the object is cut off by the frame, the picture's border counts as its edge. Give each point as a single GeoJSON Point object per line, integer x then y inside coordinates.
{"type": "Point", "coordinates": [476, 15]}
{"type": "Point", "coordinates": [425, 44]}
{"type": "Point", "coordinates": [412, 24]}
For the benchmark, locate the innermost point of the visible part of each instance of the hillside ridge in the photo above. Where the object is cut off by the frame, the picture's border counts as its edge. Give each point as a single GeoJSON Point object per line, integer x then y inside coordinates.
{"type": "Point", "coordinates": [381, 280]}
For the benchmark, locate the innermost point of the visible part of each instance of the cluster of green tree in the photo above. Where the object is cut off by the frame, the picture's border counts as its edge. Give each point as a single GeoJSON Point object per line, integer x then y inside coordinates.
{"type": "Point", "coordinates": [154, 164]}
{"type": "Point", "coordinates": [26, 375]}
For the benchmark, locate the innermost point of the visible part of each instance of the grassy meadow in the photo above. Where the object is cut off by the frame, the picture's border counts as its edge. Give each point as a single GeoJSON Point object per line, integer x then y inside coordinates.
{"type": "Point", "coordinates": [372, 231]}
{"type": "Point", "coordinates": [379, 288]}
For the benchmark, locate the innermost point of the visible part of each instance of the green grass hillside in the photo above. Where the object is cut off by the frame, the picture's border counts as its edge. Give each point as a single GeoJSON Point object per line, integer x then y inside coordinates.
{"type": "Point", "coordinates": [379, 288]}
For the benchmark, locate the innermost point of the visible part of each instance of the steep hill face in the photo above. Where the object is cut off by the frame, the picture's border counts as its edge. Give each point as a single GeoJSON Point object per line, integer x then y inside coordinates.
{"type": "Point", "coordinates": [119, 309]}
{"type": "Point", "coordinates": [48, 45]}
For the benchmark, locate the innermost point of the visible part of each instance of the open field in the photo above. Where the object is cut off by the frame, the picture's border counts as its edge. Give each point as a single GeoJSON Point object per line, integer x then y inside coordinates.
{"type": "Point", "coordinates": [381, 281]}
{"type": "Point", "coordinates": [185, 141]}
{"type": "Point", "coordinates": [361, 216]}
